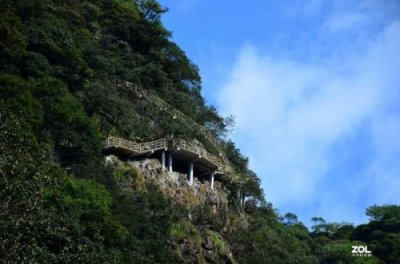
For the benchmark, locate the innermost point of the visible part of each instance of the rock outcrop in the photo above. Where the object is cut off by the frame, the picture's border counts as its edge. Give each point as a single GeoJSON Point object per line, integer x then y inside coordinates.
{"type": "Point", "coordinates": [194, 243]}
{"type": "Point", "coordinates": [176, 185]}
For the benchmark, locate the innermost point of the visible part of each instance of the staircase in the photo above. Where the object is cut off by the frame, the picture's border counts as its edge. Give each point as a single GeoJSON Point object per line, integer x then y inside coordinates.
{"type": "Point", "coordinates": [176, 114]}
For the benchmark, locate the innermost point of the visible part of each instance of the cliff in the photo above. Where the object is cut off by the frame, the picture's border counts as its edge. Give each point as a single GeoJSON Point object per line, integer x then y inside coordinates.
{"type": "Point", "coordinates": [64, 199]}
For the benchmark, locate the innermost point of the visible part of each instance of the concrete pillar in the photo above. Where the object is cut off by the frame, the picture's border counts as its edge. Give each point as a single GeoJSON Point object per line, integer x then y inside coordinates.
{"type": "Point", "coordinates": [191, 165]}
{"type": "Point", "coordinates": [212, 180]}
{"type": "Point", "coordinates": [240, 197]}
{"type": "Point", "coordinates": [163, 160]}
{"type": "Point", "coordinates": [170, 162]}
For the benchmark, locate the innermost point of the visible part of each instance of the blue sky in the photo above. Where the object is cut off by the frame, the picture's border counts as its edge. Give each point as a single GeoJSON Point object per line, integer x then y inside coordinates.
{"type": "Point", "coordinates": [315, 89]}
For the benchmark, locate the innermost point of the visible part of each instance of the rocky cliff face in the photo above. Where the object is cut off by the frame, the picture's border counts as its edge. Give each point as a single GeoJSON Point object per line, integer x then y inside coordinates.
{"type": "Point", "coordinates": [192, 236]}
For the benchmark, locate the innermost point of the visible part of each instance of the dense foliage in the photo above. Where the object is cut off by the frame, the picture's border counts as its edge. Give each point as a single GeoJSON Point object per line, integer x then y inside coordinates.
{"type": "Point", "coordinates": [60, 202]}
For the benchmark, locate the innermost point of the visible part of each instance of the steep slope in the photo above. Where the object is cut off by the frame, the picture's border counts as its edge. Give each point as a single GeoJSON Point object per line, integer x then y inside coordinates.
{"type": "Point", "coordinates": [60, 62]}
{"type": "Point", "coordinates": [65, 199]}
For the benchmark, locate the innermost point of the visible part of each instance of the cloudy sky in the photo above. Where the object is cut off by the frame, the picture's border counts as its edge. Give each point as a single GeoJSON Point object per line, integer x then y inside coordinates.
{"type": "Point", "coordinates": [315, 89]}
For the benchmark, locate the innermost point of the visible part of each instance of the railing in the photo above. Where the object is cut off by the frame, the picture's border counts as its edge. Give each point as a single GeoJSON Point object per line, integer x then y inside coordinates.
{"type": "Point", "coordinates": [141, 148]}
{"type": "Point", "coordinates": [136, 147]}
{"type": "Point", "coordinates": [181, 143]}
{"type": "Point", "coordinates": [154, 145]}
{"type": "Point", "coordinates": [175, 114]}
{"type": "Point", "coordinates": [121, 143]}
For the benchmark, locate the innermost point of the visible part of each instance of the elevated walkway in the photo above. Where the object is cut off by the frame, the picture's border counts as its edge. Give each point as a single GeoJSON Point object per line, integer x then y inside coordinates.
{"type": "Point", "coordinates": [186, 150]}
{"type": "Point", "coordinates": [213, 142]}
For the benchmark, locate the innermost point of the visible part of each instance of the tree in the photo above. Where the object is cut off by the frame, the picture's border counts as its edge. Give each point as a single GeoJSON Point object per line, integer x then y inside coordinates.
{"type": "Point", "coordinates": [151, 10]}
{"type": "Point", "coordinates": [382, 232]}
{"type": "Point", "coordinates": [319, 224]}
{"type": "Point", "coordinates": [23, 178]}
{"type": "Point", "coordinates": [384, 213]}
{"type": "Point", "coordinates": [290, 219]}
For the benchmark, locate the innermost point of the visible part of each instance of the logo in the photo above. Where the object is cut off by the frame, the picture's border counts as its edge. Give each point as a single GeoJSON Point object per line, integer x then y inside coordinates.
{"type": "Point", "coordinates": [360, 251]}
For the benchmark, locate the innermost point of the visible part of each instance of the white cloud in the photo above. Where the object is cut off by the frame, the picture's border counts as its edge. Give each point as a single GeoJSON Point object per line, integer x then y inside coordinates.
{"type": "Point", "coordinates": [291, 114]}
{"type": "Point", "coordinates": [297, 8]}
{"type": "Point", "coordinates": [383, 176]}
{"type": "Point", "coordinates": [343, 22]}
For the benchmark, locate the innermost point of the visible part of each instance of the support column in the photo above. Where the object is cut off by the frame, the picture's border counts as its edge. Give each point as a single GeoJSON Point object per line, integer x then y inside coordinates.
{"type": "Point", "coordinates": [212, 180]}
{"type": "Point", "coordinates": [170, 162]}
{"type": "Point", "coordinates": [240, 197]}
{"type": "Point", "coordinates": [163, 160]}
{"type": "Point", "coordinates": [191, 173]}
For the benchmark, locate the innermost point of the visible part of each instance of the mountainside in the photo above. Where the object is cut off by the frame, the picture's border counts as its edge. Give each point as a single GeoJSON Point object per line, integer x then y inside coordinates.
{"type": "Point", "coordinates": [65, 198]}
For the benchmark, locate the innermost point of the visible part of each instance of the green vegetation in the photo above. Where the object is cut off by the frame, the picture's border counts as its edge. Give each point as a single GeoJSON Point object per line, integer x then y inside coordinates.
{"type": "Point", "coordinates": [61, 203]}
